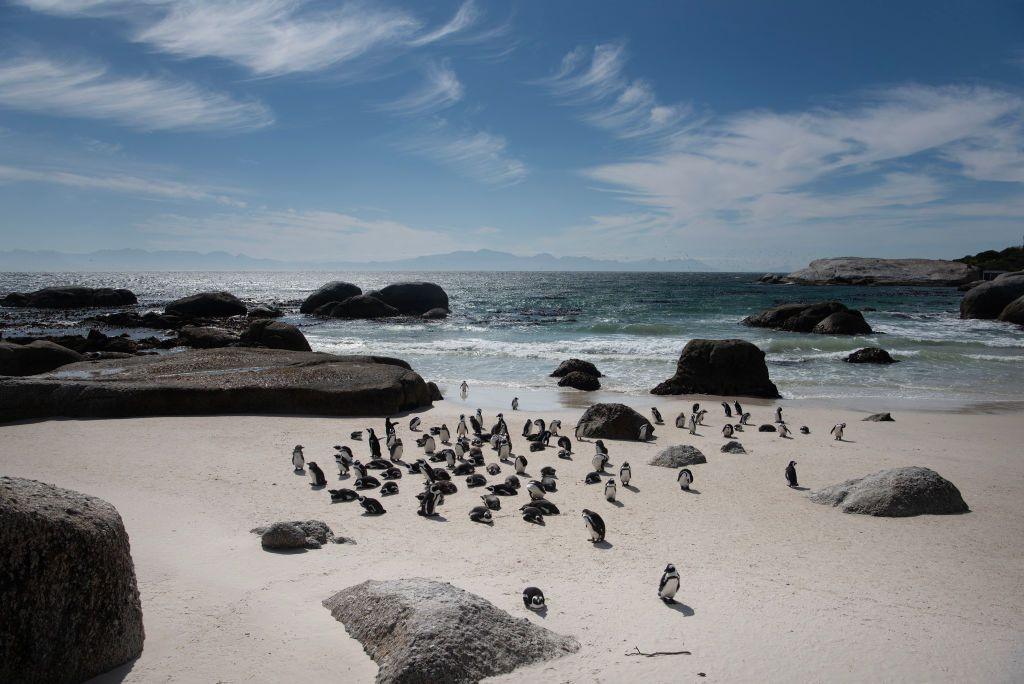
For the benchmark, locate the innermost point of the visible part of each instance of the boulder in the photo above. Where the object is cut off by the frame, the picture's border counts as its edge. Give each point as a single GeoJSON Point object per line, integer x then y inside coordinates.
{"type": "Point", "coordinates": [879, 418]}
{"type": "Point", "coordinates": [207, 305]}
{"type": "Point", "coordinates": [360, 306]}
{"type": "Point", "coordinates": [817, 317]}
{"type": "Point", "coordinates": [988, 300]}
{"type": "Point", "coordinates": [576, 366]}
{"type": "Point", "coordinates": [419, 630]}
{"type": "Point", "coordinates": [265, 311]}
{"type": "Point", "coordinates": [36, 357]}
{"type": "Point", "coordinates": [870, 271]}
{"type": "Point", "coordinates": [203, 337]}
{"type": "Point", "coordinates": [720, 367]}
{"type": "Point", "coordinates": [733, 447]}
{"type": "Point", "coordinates": [233, 380]}
{"type": "Point", "coordinates": [1014, 311]}
{"type": "Point", "coordinates": [334, 291]}
{"type": "Point", "coordinates": [414, 298]}
{"type": "Point", "coordinates": [434, 391]}
{"type": "Point", "coordinates": [895, 493]}
{"type": "Point", "coordinates": [870, 355]}
{"type": "Point", "coordinates": [71, 298]}
{"type": "Point", "coordinates": [296, 534]}
{"type": "Point", "coordinates": [69, 604]}
{"type": "Point", "coordinates": [678, 456]}
{"type": "Point", "coordinates": [580, 381]}
{"type": "Point", "coordinates": [767, 427]}
{"type": "Point", "coordinates": [275, 335]}
{"type": "Point", "coordinates": [969, 286]}
{"type": "Point", "coordinates": [612, 421]}
{"type": "Point", "coordinates": [436, 314]}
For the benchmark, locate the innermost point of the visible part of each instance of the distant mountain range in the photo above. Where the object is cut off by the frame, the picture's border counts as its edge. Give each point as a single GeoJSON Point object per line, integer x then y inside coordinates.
{"type": "Point", "coordinates": [168, 260]}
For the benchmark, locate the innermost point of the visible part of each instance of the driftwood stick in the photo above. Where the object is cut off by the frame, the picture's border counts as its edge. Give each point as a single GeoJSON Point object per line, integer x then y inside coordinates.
{"type": "Point", "coordinates": [637, 652]}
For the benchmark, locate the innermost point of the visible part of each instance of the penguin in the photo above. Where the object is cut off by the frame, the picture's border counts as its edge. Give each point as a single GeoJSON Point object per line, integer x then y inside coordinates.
{"type": "Point", "coordinates": [555, 427]}
{"type": "Point", "coordinates": [533, 598]}
{"type": "Point", "coordinates": [696, 407]}
{"type": "Point", "coordinates": [545, 506]}
{"type": "Point", "coordinates": [390, 441]}
{"type": "Point", "coordinates": [727, 430]}
{"type": "Point", "coordinates": [459, 448]}
{"type": "Point", "coordinates": [656, 414]}
{"type": "Point", "coordinates": [549, 483]}
{"type": "Point", "coordinates": [357, 435]}
{"type": "Point", "coordinates": [532, 514]}
{"type": "Point", "coordinates": [389, 488]}
{"type": "Point", "coordinates": [592, 478]}
{"type": "Point", "coordinates": [528, 428]}
{"type": "Point", "coordinates": [599, 461]}
{"type": "Point", "coordinates": [778, 414]}
{"type": "Point", "coordinates": [565, 444]}
{"type": "Point", "coordinates": [464, 389]}
{"type": "Point", "coordinates": [837, 430]}
{"type": "Point", "coordinates": [368, 482]}
{"type": "Point", "coordinates": [535, 489]}
{"type": "Point", "coordinates": [342, 494]}
{"type": "Point", "coordinates": [464, 469]}
{"type": "Point", "coordinates": [298, 460]}
{"type": "Point", "coordinates": [669, 584]}
{"type": "Point", "coordinates": [505, 451]}
{"type": "Point", "coordinates": [738, 408]}
{"type": "Point", "coordinates": [728, 411]}
{"type": "Point", "coordinates": [491, 501]}
{"type": "Point", "coordinates": [791, 474]}
{"type": "Point", "coordinates": [548, 471]}
{"type": "Point", "coordinates": [737, 427]}
{"type": "Point", "coordinates": [481, 514]}
{"type": "Point", "coordinates": [445, 435]}
{"type": "Point", "coordinates": [536, 446]}
{"type": "Point", "coordinates": [600, 448]}
{"type": "Point", "coordinates": [389, 427]}
{"type": "Point", "coordinates": [693, 424]}
{"type": "Point", "coordinates": [378, 464]}
{"type": "Point", "coordinates": [342, 464]}
{"type": "Point", "coordinates": [374, 443]}
{"type": "Point", "coordinates": [414, 468]}
{"type": "Point", "coordinates": [685, 479]}
{"type": "Point", "coordinates": [480, 416]}
{"type": "Point", "coordinates": [447, 488]}
{"type": "Point", "coordinates": [476, 480]}
{"type": "Point", "coordinates": [461, 430]}
{"type": "Point", "coordinates": [784, 431]}
{"type": "Point", "coordinates": [700, 416]}
{"type": "Point", "coordinates": [595, 526]}
{"type": "Point", "coordinates": [513, 482]}
{"type": "Point", "coordinates": [428, 501]}
{"type": "Point", "coordinates": [440, 474]}
{"type": "Point", "coordinates": [515, 403]}
{"type": "Point", "coordinates": [316, 475]}
{"type": "Point", "coordinates": [804, 430]}
{"type": "Point", "coordinates": [501, 490]}
{"type": "Point", "coordinates": [520, 464]}
{"type": "Point", "coordinates": [359, 468]}
{"type": "Point", "coordinates": [392, 474]}
{"type": "Point", "coordinates": [609, 490]}
{"type": "Point", "coordinates": [396, 450]}
{"type": "Point", "coordinates": [429, 444]}
{"type": "Point", "coordinates": [478, 427]}
{"type": "Point", "coordinates": [371, 506]}
{"type": "Point", "coordinates": [645, 433]}
{"type": "Point", "coordinates": [625, 473]}
{"type": "Point", "coordinates": [414, 424]}
{"type": "Point", "coordinates": [681, 421]}
{"type": "Point", "coordinates": [493, 469]}
{"type": "Point", "coordinates": [564, 455]}
{"type": "Point", "coordinates": [449, 457]}
{"type": "Point", "coordinates": [745, 419]}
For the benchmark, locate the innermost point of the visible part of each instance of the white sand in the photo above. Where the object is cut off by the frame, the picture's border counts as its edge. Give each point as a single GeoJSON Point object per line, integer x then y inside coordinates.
{"type": "Point", "coordinates": [775, 588]}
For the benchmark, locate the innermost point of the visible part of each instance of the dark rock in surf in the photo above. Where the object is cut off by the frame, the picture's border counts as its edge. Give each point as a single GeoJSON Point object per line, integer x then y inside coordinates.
{"type": "Point", "coordinates": [71, 298]}
{"type": "Point", "coordinates": [843, 323]}
{"type": "Point", "coordinates": [275, 335]}
{"type": "Point", "coordinates": [580, 381]}
{"type": "Point", "coordinates": [988, 300]}
{"type": "Point", "coordinates": [870, 355]}
{"type": "Point", "coordinates": [436, 314]}
{"type": "Point", "coordinates": [265, 311]}
{"type": "Point", "coordinates": [33, 358]}
{"type": "Point", "coordinates": [720, 367]}
{"type": "Point", "coordinates": [895, 493]}
{"type": "Point", "coordinates": [819, 317]}
{"type": "Point", "coordinates": [576, 366]}
{"type": "Point", "coordinates": [414, 298]}
{"type": "Point", "coordinates": [334, 291]}
{"type": "Point", "coordinates": [1014, 312]}
{"type": "Point", "coordinates": [207, 305]}
{"type": "Point", "coordinates": [358, 307]}
{"type": "Point", "coordinates": [203, 337]}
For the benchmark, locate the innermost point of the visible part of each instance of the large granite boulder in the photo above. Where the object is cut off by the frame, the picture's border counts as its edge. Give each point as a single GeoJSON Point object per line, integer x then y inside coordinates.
{"type": "Point", "coordinates": [334, 291]}
{"type": "Point", "coordinates": [414, 298]}
{"type": "Point", "coordinates": [575, 366]}
{"type": "Point", "coordinates": [612, 421]}
{"type": "Point", "coordinates": [219, 381]}
{"type": "Point", "coordinates": [720, 367]}
{"type": "Point", "coordinates": [869, 271]}
{"type": "Point", "coordinates": [35, 357]}
{"type": "Point", "coordinates": [678, 456]}
{"type": "Point", "coordinates": [1014, 311]}
{"type": "Point", "coordinates": [296, 534]}
{"type": "Point", "coordinates": [71, 298]}
{"type": "Point", "coordinates": [358, 307]}
{"type": "Point", "coordinates": [207, 305]}
{"type": "Point", "coordinates": [805, 318]}
{"type": "Point", "coordinates": [870, 355]}
{"type": "Point", "coordinates": [206, 337]}
{"type": "Point", "coordinates": [988, 300]}
{"type": "Point", "coordinates": [896, 493]}
{"type": "Point", "coordinates": [580, 381]}
{"type": "Point", "coordinates": [69, 605]}
{"type": "Point", "coordinates": [419, 630]}
{"type": "Point", "coordinates": [275, 335]}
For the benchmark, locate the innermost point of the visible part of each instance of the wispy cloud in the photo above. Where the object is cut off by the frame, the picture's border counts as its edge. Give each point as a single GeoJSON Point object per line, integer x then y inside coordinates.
{"type": "Point", "coordinates": [440, 89]}
{"type": "Point", "coordinates": [477, 155]}
{"type": "Point", "coordinates": [48, 86]}
{"type": "Point", "coordinates": [467, 15]}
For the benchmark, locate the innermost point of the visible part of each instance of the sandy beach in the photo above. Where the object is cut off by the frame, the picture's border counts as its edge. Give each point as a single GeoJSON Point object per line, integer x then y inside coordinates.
{"type": "Point", "coordinates": [774, 587]}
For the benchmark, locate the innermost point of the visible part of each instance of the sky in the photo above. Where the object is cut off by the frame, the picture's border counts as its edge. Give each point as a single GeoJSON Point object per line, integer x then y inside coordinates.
{"type": "Point", "coordinates": [752, 135]}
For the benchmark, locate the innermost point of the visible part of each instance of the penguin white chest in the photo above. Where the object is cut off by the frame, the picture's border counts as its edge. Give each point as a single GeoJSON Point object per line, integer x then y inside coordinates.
{"type": "Point", "coordinates": [670, 587]}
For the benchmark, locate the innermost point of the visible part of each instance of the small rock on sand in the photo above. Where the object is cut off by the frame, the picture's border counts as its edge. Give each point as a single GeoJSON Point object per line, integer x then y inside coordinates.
{"type": "Point", "coordinates": [733, 447]}
{"type": "Point", "coordinates": [880, 418]}
{"type": "Point", "coordinates": [678, 456]}
{"type": "Point", "coordinates": [899, 492]}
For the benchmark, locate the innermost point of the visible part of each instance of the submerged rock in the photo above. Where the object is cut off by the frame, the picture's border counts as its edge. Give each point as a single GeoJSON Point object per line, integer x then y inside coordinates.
{"type": "Point", "coordinates": [843, 323]}
{"type": "Point", "coordinates": [33, 358]}
{"type": "Point", "coordinates": [275, 335]}
{"type": "Point", "coordinates": [580, 381]}
{"type": "Point", "coordinates": [436, 314]}
{"type": "Point", "coordinates": [612, 421]}
{"type": "Point", "coordinates": [678, 457]}
{"type": "Point", "coordinates": [71, 298]}
{"type": "Point", "coordinates": [720, 367]}
{"type": "Point", "coordinates": [419, 630]}
{"type": "Point", "coordinates": [358, 307]}
{"type": "Point", "coordinates": [575, 366]}
{"type": "Point", "coordinates": [334, 291]}
{"type": "Point", "coordinates": [824, 318]}
{"type": "Point", "coordinates": [870, 355]}
{"type": "Point", "coordinates": [899, 492]}
{"type": "Point", "coordinates": [207, 305]}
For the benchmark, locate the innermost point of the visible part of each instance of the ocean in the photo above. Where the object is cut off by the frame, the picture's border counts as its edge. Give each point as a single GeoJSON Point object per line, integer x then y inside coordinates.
{"type": "Point", "coordinates": [508, 331]}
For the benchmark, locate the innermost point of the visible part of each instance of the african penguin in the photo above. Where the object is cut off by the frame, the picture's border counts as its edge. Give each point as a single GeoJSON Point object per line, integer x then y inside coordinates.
{"type": "Point", "coordinates": [594, 524]}
{"type": "Point", "coordinates": [533, 598]}
{"type": "Point", "coordinates": [625, 473]}
{"type": "Point", "coordinates": [298, 460]}
{"type": "Point", "coordinates": [791, 474]}
{"type": "Point", "coordinates": [685, 479]}
{"type": "Point", "coordinates": [481, 514]}
{"type": "Point", "coordinates": [414, 424]}
{"type": "Point", "coordinates": [728, 411]}
{"type": "Point", "coordinates": [371, 506]}
{"type": "Point", "coordinates": [837, 430]}
{"type": "Point", "coordinates": [316, 475]}
{"type": "Point", "coordinates": [656, 414]}
{"type": "Point", "coordinates": [342, 494]}
{"type": "Point", "coordinates": [609, 490]}
{"type": "Point", "coordinates": [669, 584]}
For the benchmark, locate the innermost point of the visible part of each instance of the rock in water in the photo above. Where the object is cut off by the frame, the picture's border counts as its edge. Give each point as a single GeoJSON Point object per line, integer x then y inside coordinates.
{"type": "Point", "coordinates": [205, 337]}
{"type": "Point", "coordinates": [820, 317]}
{"type": "Point", "coordinates": [358, 307]}
{"type": "Point", "coordinates": [612, 421]}
{"type": "Point", "coordinates": [896, 493]}
{"type": "Point", "coordinates": [36, 357]}
{"type": "Point", "coordinates": [988, 300]}
{"type": "Point", "coordinates": [576, 366]}
{"type": "Point", "coordinates": [843, 323]}
{"type": "Point", "coordinates": [1014, 312]}
{"type": "Point", "coordinates": [334, 291]}
{"type": "Point", "coordinates": [275, 335]}
{"type": "Point", "coordinates": [265, 311]}
{"type": "Point", "coordinates": [580, 381]}
{"type": "Point", "coordinates": [720, 367]}
{"type": "Point", "coordinates": [678, 457]}
{"type": "Point", "coordinates": [880, 418]}
{"type": "Point", "coordinates": [295, 534]}
{"type": "Point", "coordinates": [870, 355]}
{"type": "Point", "coordinates": [207, 305]}
{"type": "Point", "coordinates": [414, 298]}
{"type": "Point", "coordinates": [419, 630]}
{"type": "Point", "coordinates": [71, 298]}
{"type": "Point", "coordinates": [69, 605]}
{"type": "Point", "coordinates": [869, 271]}
{"type": "Point", "coordinates": [436, 314]}
{"type": "Point", "coordinates": [733, 447]}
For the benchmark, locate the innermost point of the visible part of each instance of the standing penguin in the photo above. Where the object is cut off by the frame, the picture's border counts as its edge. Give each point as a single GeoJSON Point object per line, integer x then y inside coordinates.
{"type": "Point", "coordinates": [745, 419]}
{"type": "Point", "coordinates": [595, 526]}
{"type": "Point", "coordinates": [298, 460]}
{"type": "Point", "coordinates": [681, 420]}
{"type": "Point", "coordinates": [600, 448]}
{"type": "Point", "coordinates": [791, 474]}
{"type": "Point", "coordinates": [555, 426]}
{"type": "Point", "coordinates": [625, 473]}
{"type": "Point", "coordinates": [515, 403]}
{"type": "Point", "coordinates": [645, 433]}
{"type": "Point", "coordinates": [464, 389]}
{"type": "Point", "coordinates": [461, 430]}
{"type": "Point", "coordinates": [778, 414]}
{"type": "Point", "coordinates": [535, 489]}
{"type": "Point", "coordinates": [700, 416]}
{"type": "Point", "coordinates": [339, 460]}
{"type": "Point", "coordinates": [727, 431]}
{"type": "Point", "coordinates": [685, 479]}
{"type": "Point", "coordinates": [656, 414]}
{"type": "Point", "coordinates": [728, 411]}
{"type": "Point", "coordinates": [504, 450]}
{"type": "Point", "coordinates": [565, 443]}
{"type": "Point", "coordinates": [784, 431]}
{"type": "Point", "coordinates": [599, 461]}
{"type": "Point", "coordinates": [837, 430]}
{"type": "Point", "coordinates": [528, 428]}
{"type": "Point", "coordinates": [609, 490]}
{"type": "Point", "coordinates": [669, 584]}
{"type": "Point", "coordinates": [316, 475]}
{"type": "Point", "coordinates": [445, 435]}
{"type": "Point", "coordinates": [396, 450]}
{"type": "Point", "coordinates": [429, 444]}
{"type": "Point", "coordinates": [374, 443]}
{"type": "Point", "coordinates": [738, 408]}
{"type": "Point", "coordinates": [520, 464]}
{"type": "Point", "coordinates": [693, 424]}
{"type": "Point", "coordinates": [414, 424]}
{"type": "Point", "coordinates": [389, 427]}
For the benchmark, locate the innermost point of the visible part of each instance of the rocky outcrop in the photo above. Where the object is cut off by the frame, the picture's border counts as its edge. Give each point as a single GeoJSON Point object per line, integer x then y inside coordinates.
{"type": "Point", "coordinates": [895, 493]}
{"type": "Point", "coordinates": [825, 318]}
{"type": "Point", "coordinates": [678, 456]}
{"type": "Point", "coordinates": [71, 298]}
{"type": "Point", "coordinates": [413, 299]}
{"type": "Point", "coordinates": [207, 305]}
{"type": "Point", "coordinates": [575, 366]}
{"type": "Point", "coordinates": [36, 357]}
{"type": "Point", "coordinates": [69, 605]}
{"type": "Point", "coordinates": [219, 381]}
{"type": "Point", "coordinates": [733, 447]}
{"type": "Point", "coordinates": [612, 421]}
{"type": "Point", "coordinates": [868, 271]}
{"type": "Point", "coordinates": [205, 337]}
{"type": "Point", "coordinates": [988, 300]}
{"type": "Point", "coordinates": [419, 630]}
{"type": "Point", "coordinates": [870, 355]}
{"type": "Point", "coordinates": [275, 335]}
{"type": "Point", "coordinates": [334, 291]}
{"type": "Point", "coordinates": [580, 381]}
{"type": "Point", "coordinates": [296, 534]}
{"type": "Point", "coordinates": [1014, 312]}
{"type": "Point", "coordinates": [720, 367]}
{"type": "Point", "coordinates": [358, 307]}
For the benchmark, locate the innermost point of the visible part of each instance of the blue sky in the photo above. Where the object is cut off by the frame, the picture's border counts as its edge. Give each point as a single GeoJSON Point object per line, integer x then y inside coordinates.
{"type": "Point", "coordinates": [751, 135]}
